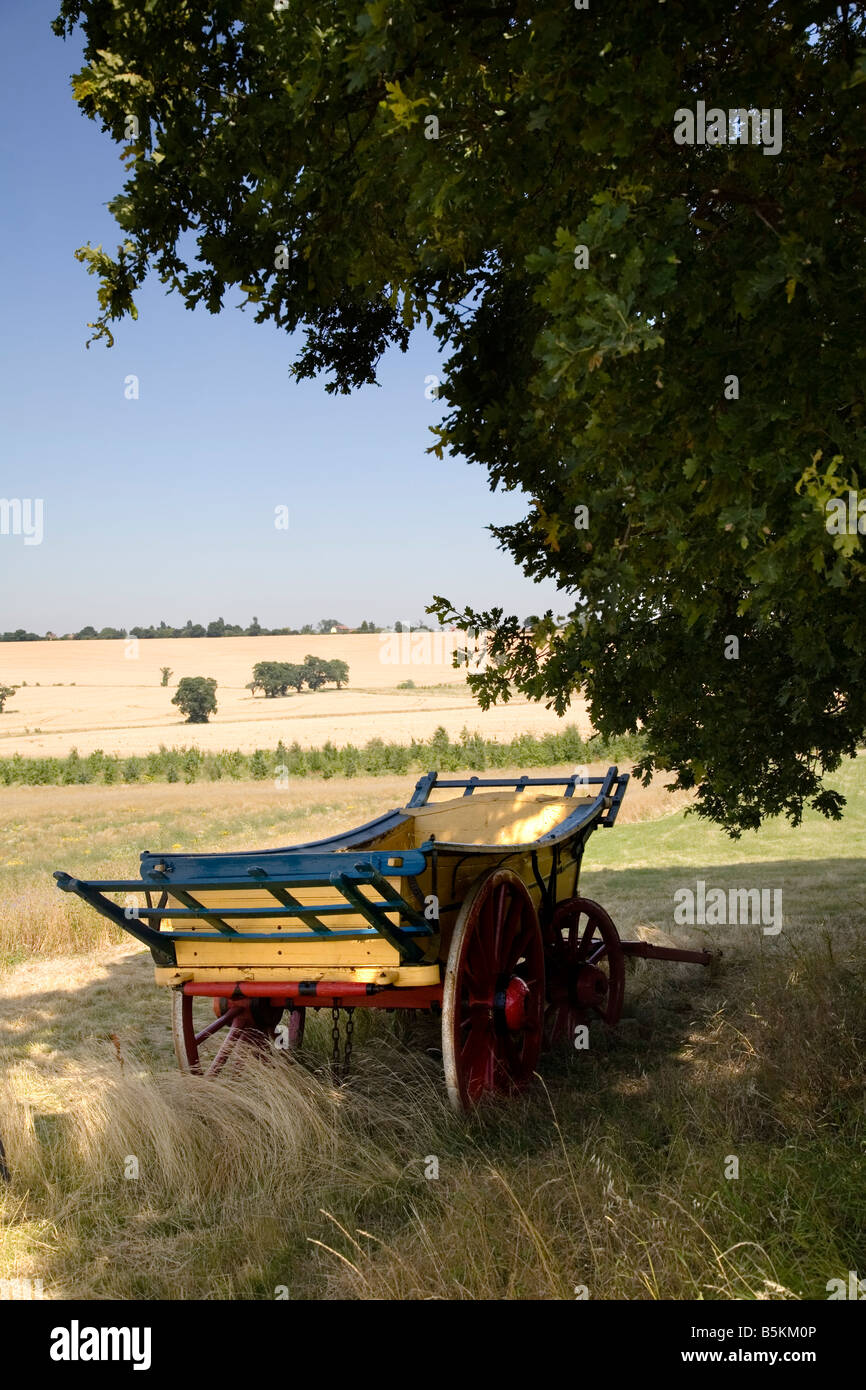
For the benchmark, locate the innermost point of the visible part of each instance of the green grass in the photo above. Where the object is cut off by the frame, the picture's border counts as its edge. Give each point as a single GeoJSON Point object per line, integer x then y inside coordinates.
{"type": "Point", "coordinates": [610, 1173]}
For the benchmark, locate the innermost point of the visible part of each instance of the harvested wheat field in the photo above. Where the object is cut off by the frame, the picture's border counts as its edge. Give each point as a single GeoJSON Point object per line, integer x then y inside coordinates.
{"type": "Point", "coordinates": [107, 695]}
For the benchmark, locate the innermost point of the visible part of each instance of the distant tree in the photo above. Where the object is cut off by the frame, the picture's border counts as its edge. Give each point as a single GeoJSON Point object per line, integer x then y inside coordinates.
{"type": "Point", "coordinates": [271, 677]}
{"type": "Point", "coordinates": [196, 698]}
{"type": "Point", "coordinates": [217, 629]}
{"type": "Point", "coordinates": [254, 628]}
{"type": "Point", "coordinates": [316, 672]}
{"type": "Point", "coordinates": [296, 675]}
{"type": "Point", "coordinates": [326, 624]}
{"type": "Point", "coordinates": [398, 627]}
{"type": "Point", "coordinates": [307, 629]}
{"type": "Point", "coordinates": [166, 672]}
{"type": "Point", "coordinates": [86, 634]}
{"type": "Point", "coordinates": [275, 677]}
{"type": "Point", "coordinates": [6, 692]}
{"type": "Point", "coordinates": [339, 673]}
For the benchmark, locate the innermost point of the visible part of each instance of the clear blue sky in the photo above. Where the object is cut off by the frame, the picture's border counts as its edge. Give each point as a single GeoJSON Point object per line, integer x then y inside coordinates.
{"type": "Point", "coordinates": [163, 507]}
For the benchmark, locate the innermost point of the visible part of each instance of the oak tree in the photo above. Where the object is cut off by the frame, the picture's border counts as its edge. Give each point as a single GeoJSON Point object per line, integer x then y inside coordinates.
{"type": "Point", "coordinates": [658, 343]}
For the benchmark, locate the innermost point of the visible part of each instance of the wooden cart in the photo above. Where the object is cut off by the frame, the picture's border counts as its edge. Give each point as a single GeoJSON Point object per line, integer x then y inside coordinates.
{"type": "Point", "coordinates": [466, 906]}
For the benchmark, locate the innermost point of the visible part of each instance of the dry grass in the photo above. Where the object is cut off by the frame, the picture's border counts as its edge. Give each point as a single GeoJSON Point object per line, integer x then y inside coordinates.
{"type": "Point", "coordinates": [610, 1174]}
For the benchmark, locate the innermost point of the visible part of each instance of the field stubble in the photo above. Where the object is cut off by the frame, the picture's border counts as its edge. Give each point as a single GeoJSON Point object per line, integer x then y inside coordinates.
{"type": "Point", "coordinates": [91, 695]}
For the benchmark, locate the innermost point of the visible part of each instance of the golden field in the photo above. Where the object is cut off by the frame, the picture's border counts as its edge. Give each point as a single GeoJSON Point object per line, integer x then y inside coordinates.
{"type": "Point", "coordinates": [107, 695]}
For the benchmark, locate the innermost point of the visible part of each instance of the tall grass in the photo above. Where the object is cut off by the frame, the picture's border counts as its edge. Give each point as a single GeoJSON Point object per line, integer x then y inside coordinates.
{"type": "Point", "coordinates": [608, 1177]}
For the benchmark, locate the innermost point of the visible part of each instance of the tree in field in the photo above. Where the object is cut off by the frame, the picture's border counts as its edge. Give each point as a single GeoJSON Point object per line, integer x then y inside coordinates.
{"type": "Point", "coordinates": [6, 693]}
{"type": "Point", "coordinates": [166, 674]}
{"type": "Point", "coordinates": [275, 677]}
{"type": "Point", "coordinates": [653, 329]}
{"type": "Point", "coordinates": [196, 698]}
{"type": "Point", "coordinates": [316, 672]}
{"type": "Point", "coordinates": [269, 677]}
{"type": "Point", "coordinates": [338, 672]}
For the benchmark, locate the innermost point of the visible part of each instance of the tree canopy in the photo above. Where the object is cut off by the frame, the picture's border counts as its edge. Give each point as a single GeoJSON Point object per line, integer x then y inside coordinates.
{"type": "Point", "coordinates": [275, 677]}
{"type": "Point", "coordinates": [196, 698]}
{"type": "Point", "coordinates": [660, 343]}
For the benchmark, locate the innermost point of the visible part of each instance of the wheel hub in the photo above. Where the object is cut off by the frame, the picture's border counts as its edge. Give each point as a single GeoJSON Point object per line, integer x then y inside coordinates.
{"type": "Point", "coordinates": [516, 1001]}
{"type": "Point", "coordinates": [591, 987]}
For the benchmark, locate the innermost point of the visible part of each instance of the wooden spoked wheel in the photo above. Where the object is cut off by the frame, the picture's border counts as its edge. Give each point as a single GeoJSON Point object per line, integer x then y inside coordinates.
{"type": "Point", "coordinates": [208, 1032]}
{"type": "Point", "coordinates": [493, 998]}
{"type": "Point", "coordinates": [585, 969]}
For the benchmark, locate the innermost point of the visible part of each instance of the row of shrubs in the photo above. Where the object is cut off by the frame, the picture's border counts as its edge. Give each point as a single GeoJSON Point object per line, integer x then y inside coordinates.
{"type": "Point", "coordinates": [470, 752]}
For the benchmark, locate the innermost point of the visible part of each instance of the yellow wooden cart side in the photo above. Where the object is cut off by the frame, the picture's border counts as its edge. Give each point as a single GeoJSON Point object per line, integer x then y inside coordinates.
{"type": "Point", "coordinates": [472, 835]}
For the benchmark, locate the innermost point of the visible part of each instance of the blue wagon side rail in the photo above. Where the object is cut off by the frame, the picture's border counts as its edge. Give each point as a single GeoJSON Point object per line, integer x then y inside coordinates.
{"type": "Point", "coordinates": [346, 874]}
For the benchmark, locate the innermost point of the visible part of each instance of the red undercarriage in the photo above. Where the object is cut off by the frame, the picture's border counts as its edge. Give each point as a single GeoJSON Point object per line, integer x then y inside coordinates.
{"type": "Point", "coordinates": [323, 994]}
{"type": "Point", "coordinates": [318, 994]}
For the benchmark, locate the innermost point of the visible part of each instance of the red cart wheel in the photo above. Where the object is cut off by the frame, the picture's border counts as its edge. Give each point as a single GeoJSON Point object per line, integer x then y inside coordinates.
{"type": "Point", "coordinates": [206, 1037]}
{"type": "Point", "coordinates": [585, 970]}
{"type": "Point", "coordinates": [493, 998]}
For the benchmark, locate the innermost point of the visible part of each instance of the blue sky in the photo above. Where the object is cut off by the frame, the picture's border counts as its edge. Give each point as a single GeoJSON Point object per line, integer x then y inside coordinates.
{"type": "Point", "coordinates": [163, 507]}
